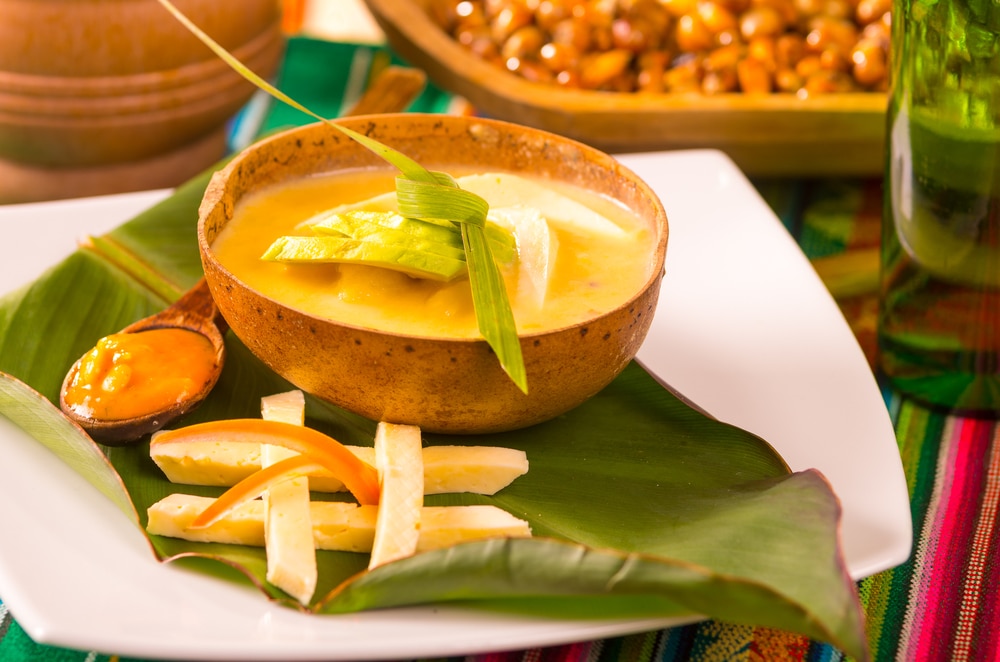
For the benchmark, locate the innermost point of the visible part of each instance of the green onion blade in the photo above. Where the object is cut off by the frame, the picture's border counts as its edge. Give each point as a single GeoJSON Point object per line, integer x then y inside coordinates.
{"type": "Point", "coordinates": [418, 199]}
{"type": "Point", "coordinates": [493, 312]}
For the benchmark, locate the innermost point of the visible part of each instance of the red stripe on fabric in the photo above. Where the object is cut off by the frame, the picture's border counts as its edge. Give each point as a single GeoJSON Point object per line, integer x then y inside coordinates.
{"type": "Point", "coordinates": [952, 530]}
{"type": "Point", "coordinates": [925, 549]}
{"type": "Point", "coordinates": [533, 655]}
{"type": "Point", "coordinates": [979, 556]}
{"type": "Point", "coordinates": [498, 657]}
{"type": "Point", "coordinates": [530, 655]}
{"type": "Point", "coordinates": [579, 652]}
{"type": "Point", "coordinates": [986, 634]}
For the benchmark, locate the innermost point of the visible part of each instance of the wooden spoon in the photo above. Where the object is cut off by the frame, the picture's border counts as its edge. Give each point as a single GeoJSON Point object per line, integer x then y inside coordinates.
{"type": "Point", "coordinates": [391, 91]}
{"type": "Point", "coordinates": [195, 311]}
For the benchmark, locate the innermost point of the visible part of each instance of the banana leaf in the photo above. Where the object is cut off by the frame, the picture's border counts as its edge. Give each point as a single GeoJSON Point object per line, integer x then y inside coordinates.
{"type": "Point", "coordinates": [639, 504]}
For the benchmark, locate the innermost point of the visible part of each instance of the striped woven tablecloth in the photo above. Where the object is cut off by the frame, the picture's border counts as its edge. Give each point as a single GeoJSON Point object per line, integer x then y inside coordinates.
{"type": "Point", "coordinates": [942, 604]}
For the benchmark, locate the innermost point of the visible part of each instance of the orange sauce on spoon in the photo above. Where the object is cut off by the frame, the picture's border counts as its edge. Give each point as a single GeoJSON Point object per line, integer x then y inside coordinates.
{"type": "Point", "coordinates": [127, 375]}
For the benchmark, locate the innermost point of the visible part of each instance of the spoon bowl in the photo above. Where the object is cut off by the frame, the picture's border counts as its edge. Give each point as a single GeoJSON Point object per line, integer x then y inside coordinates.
{"type": "Point", "coordinates": [196, 312]}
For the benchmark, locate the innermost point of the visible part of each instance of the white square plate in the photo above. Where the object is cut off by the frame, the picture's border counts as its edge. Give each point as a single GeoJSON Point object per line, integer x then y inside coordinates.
{"type": "Point", "coordinates": [744, 328]}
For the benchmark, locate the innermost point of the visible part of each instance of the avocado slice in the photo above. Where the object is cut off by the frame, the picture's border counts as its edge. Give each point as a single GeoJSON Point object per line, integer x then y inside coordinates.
{"type": "Point", "coordinates": [412, 261]}
{"type": "Point", "coordinates": [360, 224]}
{"type": "Point", "coordinates": [371, 232]}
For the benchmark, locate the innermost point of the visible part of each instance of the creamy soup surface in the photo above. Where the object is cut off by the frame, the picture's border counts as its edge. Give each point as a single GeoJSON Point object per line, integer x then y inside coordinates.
{"type": "Point", "coordinates": [592, 268]}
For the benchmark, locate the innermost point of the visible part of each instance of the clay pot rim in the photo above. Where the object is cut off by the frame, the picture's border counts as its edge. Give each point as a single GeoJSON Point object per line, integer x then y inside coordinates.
{"type": "Point", "coordinates": [31, 85]}
{"type": "Point", "coordinates": [215, 193]}
{"type": "Point", "coordinates": [226, 85]}
{"type": "Point", "coordinates": [112, 119]}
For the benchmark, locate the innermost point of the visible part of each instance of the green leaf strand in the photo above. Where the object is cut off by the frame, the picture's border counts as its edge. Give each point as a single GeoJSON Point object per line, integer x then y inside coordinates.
{"type": "Point", "coordinates": [432, 200]}
{"type": "Point", "coordinates": [495, 322]}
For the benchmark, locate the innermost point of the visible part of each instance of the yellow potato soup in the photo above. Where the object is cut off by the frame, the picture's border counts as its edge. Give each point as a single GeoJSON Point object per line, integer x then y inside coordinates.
{"type": "Point", "coordinates": [580, 255]}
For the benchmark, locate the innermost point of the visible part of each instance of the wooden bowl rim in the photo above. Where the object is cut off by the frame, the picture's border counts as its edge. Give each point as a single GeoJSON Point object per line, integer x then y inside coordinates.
{"type": "Point", "coordinates": [410, 20]}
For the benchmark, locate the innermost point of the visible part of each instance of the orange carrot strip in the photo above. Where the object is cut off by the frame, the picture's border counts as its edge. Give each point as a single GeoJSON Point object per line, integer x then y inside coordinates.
{"type": "Point", "coordinates": [359, 477]}
{"type": "Point", "coordinates": [253, 486]}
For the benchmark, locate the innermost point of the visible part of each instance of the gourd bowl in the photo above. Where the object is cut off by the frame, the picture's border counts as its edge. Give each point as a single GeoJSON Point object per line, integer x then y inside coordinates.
{"type": "Point", "coordinates": [445, 385]}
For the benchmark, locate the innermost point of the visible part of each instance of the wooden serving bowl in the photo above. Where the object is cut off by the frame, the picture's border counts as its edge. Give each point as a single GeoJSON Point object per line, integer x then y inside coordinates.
{"type": "Point", "coordinates": [441, 384]}
{"type": "Point", "coordinates": [777, 134]}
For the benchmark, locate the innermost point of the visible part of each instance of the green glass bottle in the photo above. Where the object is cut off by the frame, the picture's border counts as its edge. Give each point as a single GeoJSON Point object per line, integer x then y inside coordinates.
{"type": "Point", "coordinates": [939, 323]}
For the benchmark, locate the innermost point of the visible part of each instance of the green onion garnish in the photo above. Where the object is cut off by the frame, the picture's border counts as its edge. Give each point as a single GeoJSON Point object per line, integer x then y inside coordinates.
{"type": "Point", "coordinates": [426, 195]}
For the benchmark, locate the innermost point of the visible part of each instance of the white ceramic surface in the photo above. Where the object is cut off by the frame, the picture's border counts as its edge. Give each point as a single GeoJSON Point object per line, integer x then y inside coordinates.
{"type": "Point", "coordinates": [745, 329]}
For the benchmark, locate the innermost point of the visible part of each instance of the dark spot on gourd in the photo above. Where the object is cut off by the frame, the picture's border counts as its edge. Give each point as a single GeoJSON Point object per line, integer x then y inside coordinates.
{"type": "Point", "coordinates": [537, 343]}
{"type": "Point", "coordinates": [280, 315]}
{"type": "Point", "coordinates": [357, 341]}
{"type": "Point", "coordinates": [606, 336]}
{"type": "Point", "coordinates": [584, 331]}
{"type": "Point", "coordinates": [409, 349]}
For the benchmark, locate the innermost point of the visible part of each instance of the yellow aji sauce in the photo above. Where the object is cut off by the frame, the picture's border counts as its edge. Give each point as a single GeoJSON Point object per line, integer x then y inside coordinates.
{"type": "Point", "coordinates": [591, 275]}
{"type": "Point", "coordinates": [133, 374]}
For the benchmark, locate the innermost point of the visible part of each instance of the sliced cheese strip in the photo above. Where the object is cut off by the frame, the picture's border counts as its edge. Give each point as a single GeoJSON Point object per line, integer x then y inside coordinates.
{"type": "Point", "coordinates": [291, 555]}
{"type": "Point", "coordinates": [337, 526]}
{"type": "Point", "coordinates": [444, 526]}
{"type": "Point", "coordinates": [537, 247]}
{"type": "Point", "coordinates": [172, 517]}
{"type": "Point", "coordinates": [447, 469]}
{"type": "Point", "coordinates": [475, 469]}
{"type": "Point", "coordinates": [399, 461]}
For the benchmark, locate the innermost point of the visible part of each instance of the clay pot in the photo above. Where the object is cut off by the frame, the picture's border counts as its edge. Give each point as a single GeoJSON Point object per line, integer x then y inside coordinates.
{"type": "Point", "coordinates": [102, 83]}
{"type": "Point", "coordinates": [441, 384]}
{"type": "Point", "coordinates": [101, 38]}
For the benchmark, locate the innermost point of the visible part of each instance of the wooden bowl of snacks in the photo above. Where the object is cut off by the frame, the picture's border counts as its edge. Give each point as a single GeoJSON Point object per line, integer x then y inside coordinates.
{"type": "Point", "coordinates": [785, 87]}
{"type": "Point", "coordinates": [582, 268]}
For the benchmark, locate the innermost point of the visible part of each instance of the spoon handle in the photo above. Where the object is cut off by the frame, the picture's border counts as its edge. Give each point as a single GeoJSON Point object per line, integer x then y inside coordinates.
{"type": "Point", "coordinates": [392, 90]}
{"type": "Point", "coordinates": [195, 310]}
